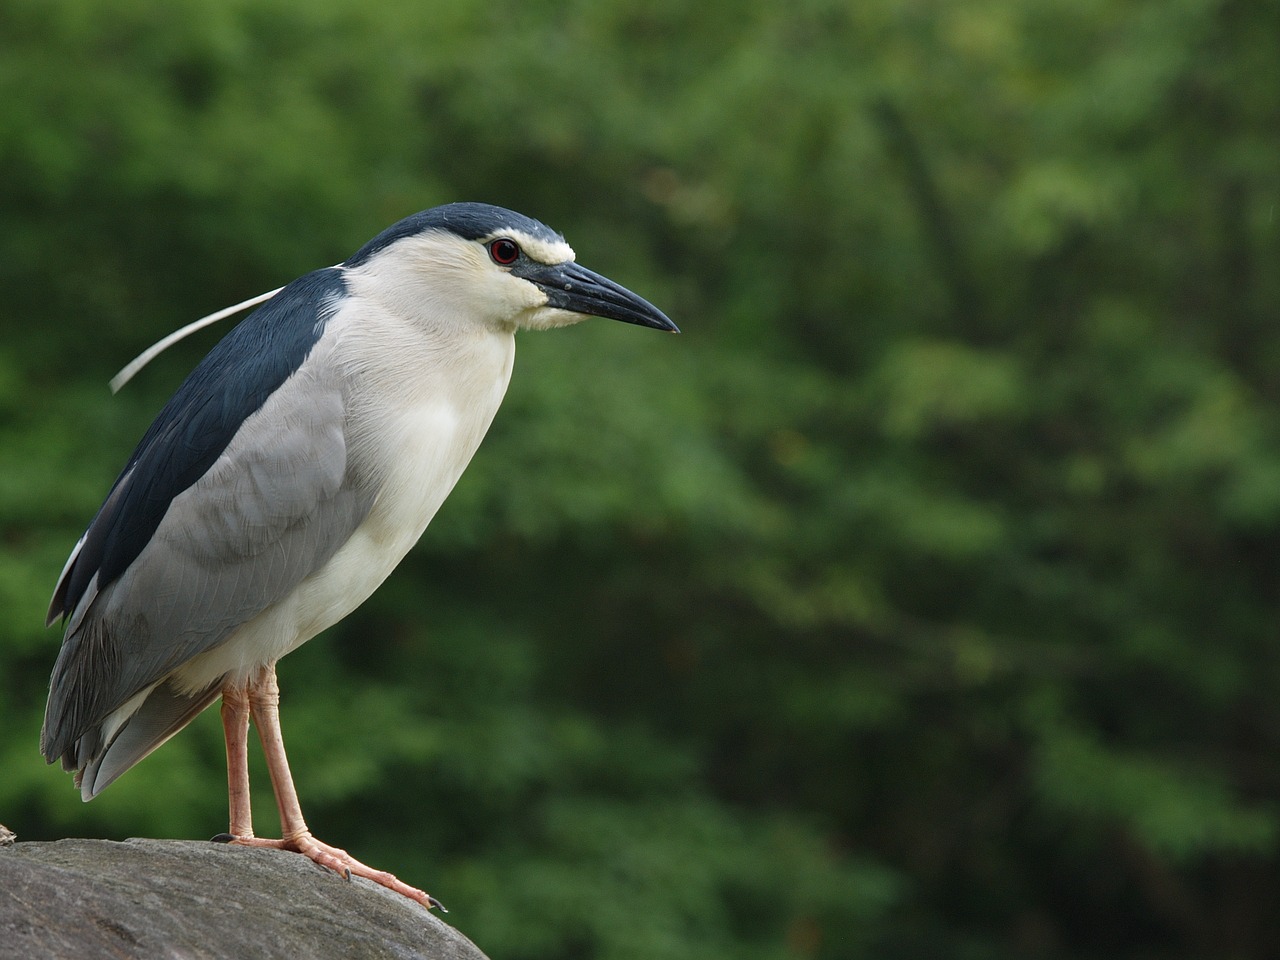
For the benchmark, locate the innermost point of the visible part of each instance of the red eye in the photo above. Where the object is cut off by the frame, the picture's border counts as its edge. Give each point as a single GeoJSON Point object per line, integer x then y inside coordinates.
{"type": "Point", "coordinates": [504, 252]}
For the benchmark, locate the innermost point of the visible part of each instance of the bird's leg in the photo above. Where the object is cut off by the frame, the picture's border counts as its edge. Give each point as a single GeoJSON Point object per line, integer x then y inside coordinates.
{"type": "Point", "coordinates": [264, 703]}
{"type": "Point", "coordinates": [235, 727]}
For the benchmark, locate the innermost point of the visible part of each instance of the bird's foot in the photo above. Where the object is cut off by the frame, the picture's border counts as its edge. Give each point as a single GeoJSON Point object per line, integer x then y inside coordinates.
{"type": "Point", "coordinates": [339, 861]}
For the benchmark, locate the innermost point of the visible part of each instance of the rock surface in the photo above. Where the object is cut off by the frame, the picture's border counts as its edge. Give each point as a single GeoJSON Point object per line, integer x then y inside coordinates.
{"type": "Point", "coordinates": [147, 899]}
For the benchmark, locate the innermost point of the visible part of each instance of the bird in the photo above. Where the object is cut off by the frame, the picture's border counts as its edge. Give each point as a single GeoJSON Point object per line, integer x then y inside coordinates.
{"type": "Point", "coordinates": [285, 479]}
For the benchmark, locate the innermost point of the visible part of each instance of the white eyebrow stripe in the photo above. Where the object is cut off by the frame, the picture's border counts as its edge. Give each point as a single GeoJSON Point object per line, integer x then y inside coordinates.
{"type": "Point", "coordinates": [538, 248]}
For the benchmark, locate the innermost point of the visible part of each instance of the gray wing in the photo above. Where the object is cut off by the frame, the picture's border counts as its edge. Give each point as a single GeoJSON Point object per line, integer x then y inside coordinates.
{"type": "Point", "coordinates": [275, 505]}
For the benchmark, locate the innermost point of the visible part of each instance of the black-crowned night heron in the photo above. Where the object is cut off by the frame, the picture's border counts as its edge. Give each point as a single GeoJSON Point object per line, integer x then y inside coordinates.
{"type": "Point", "coordinates": [285, 479]}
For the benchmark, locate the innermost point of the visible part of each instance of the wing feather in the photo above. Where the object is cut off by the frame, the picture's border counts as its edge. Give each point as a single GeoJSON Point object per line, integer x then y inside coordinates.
{"type": "Point", "coordinates": [220, 513]}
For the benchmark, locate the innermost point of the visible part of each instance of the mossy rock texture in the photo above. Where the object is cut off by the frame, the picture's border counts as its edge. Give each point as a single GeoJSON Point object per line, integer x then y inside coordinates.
{"type": "Point", "coordinates": [184, 899]}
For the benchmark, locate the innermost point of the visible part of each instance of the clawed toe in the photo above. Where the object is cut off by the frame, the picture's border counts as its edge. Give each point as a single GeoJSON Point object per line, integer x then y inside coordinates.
{"type": "Point", "coordinates": [340, 862]}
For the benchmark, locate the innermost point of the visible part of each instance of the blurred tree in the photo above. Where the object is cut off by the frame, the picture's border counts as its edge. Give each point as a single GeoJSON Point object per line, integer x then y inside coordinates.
{"type": "Point", "coordinates": [919, 600]}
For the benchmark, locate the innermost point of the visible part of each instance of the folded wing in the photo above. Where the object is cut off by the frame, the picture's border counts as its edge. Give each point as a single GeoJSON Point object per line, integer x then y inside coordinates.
{"type": "Point", "coordinates": [241, 488]}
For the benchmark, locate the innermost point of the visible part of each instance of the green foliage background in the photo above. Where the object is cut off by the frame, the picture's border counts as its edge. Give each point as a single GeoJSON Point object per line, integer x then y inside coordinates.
{"type": "Point", "coordinates": [919, 600]}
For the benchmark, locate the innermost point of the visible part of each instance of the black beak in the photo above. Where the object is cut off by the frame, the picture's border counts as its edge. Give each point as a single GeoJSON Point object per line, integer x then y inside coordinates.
{"type": "Point", "coordinates": [569, 286]}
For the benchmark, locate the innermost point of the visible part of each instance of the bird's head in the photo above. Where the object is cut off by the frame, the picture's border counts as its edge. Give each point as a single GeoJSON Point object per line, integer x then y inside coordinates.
{"type": "Point", "coordinates": [473, 262]}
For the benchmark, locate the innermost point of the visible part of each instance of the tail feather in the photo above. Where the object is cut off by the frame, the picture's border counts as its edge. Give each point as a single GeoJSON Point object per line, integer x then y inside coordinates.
{"type": "Point", "coordinates": [162, 714]}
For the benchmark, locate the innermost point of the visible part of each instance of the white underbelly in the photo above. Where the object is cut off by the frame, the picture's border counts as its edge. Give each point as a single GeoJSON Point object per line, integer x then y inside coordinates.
{"type": "Point", "coordinates": [421, 450]}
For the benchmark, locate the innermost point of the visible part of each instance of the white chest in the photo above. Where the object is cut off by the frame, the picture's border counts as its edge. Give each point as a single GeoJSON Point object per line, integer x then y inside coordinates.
{"type": "Point", "coordinates": [415, 437]}
{"type": "Point", "coordinates": [417, 410]}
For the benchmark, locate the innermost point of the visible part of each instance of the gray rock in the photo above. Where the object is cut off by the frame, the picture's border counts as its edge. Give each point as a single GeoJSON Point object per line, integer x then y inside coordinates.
{"type": "Point", "coordinates": [184, 900]}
